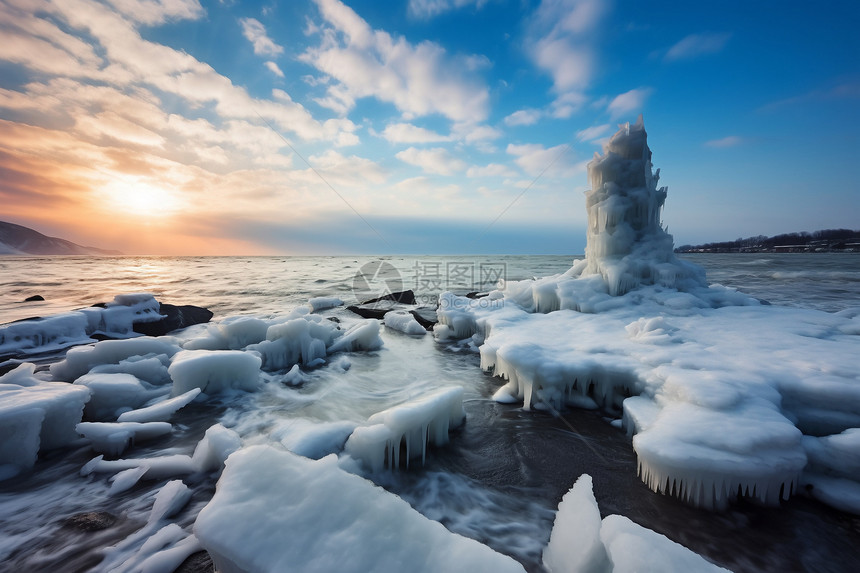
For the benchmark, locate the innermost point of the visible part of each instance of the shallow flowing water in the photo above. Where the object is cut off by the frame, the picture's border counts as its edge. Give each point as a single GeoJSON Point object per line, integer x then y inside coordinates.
{"type": "Point", "coordinates": [504, 472]}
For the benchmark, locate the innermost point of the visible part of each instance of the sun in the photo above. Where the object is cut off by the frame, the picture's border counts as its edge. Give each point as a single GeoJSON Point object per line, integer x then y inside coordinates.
{"type": "Point", "coordinates": [140, 197]}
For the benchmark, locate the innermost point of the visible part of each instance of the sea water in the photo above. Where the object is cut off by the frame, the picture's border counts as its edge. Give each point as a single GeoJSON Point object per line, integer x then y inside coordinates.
{"type": "Point", "coordinates": [504, 472]}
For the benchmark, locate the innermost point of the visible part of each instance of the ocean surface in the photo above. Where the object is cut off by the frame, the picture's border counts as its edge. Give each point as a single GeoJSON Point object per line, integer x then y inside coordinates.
{"type": "Point", "coordinates": [504, 472]}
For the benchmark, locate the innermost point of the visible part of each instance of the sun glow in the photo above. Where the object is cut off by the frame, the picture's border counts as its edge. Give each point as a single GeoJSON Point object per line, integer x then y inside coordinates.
{"type": "Point", "coordinates": [139, 197]}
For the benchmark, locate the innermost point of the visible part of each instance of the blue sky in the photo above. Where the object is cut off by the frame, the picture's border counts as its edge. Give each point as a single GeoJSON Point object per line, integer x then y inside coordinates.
{"type": "Point", "coordinates": [422, 126]}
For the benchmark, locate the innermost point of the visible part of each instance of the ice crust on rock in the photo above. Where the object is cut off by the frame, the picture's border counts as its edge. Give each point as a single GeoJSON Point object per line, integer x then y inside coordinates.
{"type": "Point", "coordinates": [80, 360]}
{"type": "Point", "coordinates": [35, 418]}
{"type": "Point", "coordinates": [276, 511]}
{"type": "Point", "coordinates": [116, 319]}
{"type": "Point", "coordinates": [319, 303]}
{"type": "Point", "coordinates": [111, 394]}
{"type": "Point", "coordinates": [580, 542]}
{"type": "Point", "coordinates": [413, 425]}
{"type": "Point", "coordinates": [403, 321]}
{"type": "Point", "coordinates": [310, 339]}
{"type": "Point", "coordinates": [214, 371]}
{"type": "Point", "coordinates": [717, 388]}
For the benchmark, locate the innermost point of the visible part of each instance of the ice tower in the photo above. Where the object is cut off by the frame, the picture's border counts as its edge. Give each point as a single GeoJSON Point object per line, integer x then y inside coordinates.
{"type": "Point", "coordinates": [626, 242]}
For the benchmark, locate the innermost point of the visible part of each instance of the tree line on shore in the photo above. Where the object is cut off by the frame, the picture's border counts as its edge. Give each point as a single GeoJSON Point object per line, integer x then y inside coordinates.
{"type": "Point", "coordinates": [827, 240]}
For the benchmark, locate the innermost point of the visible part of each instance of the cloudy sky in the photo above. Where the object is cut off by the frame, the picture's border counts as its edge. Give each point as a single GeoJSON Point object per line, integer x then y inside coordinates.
{"type": "Point", "coordinates": [417, 126]}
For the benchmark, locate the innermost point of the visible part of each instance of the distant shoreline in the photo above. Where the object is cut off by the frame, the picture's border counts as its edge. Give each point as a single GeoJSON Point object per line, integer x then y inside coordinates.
{"type": "Point", "coordinates": [825, 241]}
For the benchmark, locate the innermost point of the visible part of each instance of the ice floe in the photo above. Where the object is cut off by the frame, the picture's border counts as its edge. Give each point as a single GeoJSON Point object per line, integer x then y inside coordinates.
{"type": "Point", "coordinates": [258, 522]}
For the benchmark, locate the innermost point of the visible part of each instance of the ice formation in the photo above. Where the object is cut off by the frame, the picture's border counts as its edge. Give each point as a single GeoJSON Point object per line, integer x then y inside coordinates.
{"type": "Point", "coordinates": [404, 322]}
{"type": "Point", "coordinates": [413, 425]}
{"type": "Point", "coordinates": [266, 498]}
{"type": "Point", "coordinates": [209, 456]}
{"type": "Point", "coordinates": [214, 371]}
{"type": "Point", "coordinates": [626, 243]}
{"type": "Point", "coordinates": [162, 410]}
{"type": "Point", "coordinates": [35, 417]}
{"type": "Point", "coordinates": [716, 389]}
{"type": "Point", "coordinates": [580, 542]}
{"type": "Point", "coordinates": [323, 302]}
{"type": "Point", "coordinates": [116, 319]}
{"type": "Point", "coordinates": [110, 394]}
{"type": "Point", "coordinates": [113, 438]}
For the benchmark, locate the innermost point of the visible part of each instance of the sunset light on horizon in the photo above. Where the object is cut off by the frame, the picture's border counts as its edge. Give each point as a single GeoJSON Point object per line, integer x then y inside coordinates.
{"type": "Point", "coordinates": [186, 127]}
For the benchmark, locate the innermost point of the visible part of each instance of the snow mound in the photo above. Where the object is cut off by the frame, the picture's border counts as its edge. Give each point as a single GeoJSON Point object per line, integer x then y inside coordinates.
{"type": "Point", "coordinates": [214, 371]}
{"type": "Point", "coordinates": [412, 425]}
{"type": "Point", "coordinates": [335, 521]}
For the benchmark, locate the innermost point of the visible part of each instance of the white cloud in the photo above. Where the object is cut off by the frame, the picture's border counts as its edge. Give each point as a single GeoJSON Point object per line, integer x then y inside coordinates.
{"type": "Point", "coordinates": [348, 171]}
{"type": "Point", "coordinates": [255, 32]}
{"type": "Point", "coordinates": [152, 12]}
{"type": "Point", "coordinates": [426, 9]}
{"type": "Point", "coordinates": [408, 133]}
{"type": "Point", "coordinates": [273, 67]}
{"type": "Point", "coordinates": [592, 133]}
{"type": "Point", "coordinates": [536, 160]}
{"type": "Point", "coordinates": [491, 170]}
{"type": "Point", "coordinates": [437, 160]}
{"type": "Point", "coordinates": [472, 133]}
{"type": "Point", "coordinates": [560, 41]}
{"type": "Point", "coordinates": [523, 117]}
{"type": "Point", "coordinates": [628, 102]}
{"type": "Point", "coordinates": [696, 45]}
{"type": "Point", "coordinates": [728, 141]}
{"type": "Point", "coordinates": [419, 79]}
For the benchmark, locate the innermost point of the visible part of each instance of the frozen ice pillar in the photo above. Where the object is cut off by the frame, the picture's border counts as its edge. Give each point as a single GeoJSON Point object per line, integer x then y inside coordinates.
{"type": "Point", "coordinates": [626, 243]}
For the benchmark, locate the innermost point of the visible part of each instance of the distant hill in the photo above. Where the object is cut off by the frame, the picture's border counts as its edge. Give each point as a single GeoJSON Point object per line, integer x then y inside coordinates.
{"type": "Point", "coordinates": [826, 241]}
{"type": "Point", "coordinates": [19, 240]}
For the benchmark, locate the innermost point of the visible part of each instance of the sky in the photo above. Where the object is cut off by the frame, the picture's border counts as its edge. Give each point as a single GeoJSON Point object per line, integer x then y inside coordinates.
{"type": "Point", "coordinates": [193, 127]}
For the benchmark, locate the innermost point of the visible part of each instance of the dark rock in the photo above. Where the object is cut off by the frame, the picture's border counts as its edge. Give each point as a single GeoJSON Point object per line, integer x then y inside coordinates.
{"type": "Point", "coordinates": [426, 316]}
{"type": "Point", "coordinates": [334, 319]}
{"type": "Point", "coordinates": [176, 317]}
{"type": "Point", "coordinates": [90, 521]}
{"type": "Point", "coordinates": [200, 562]}
{"type": "Point", "coordinates": [368, 311]}
{"type": "Point", "coordinates": [403, 297]}
{"type": "Point", "coordinates": [34, 298]}
{"type": "Point", "coordinates": [100, 305]}
{"type": "Point", "coordinates": [477, 295]}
